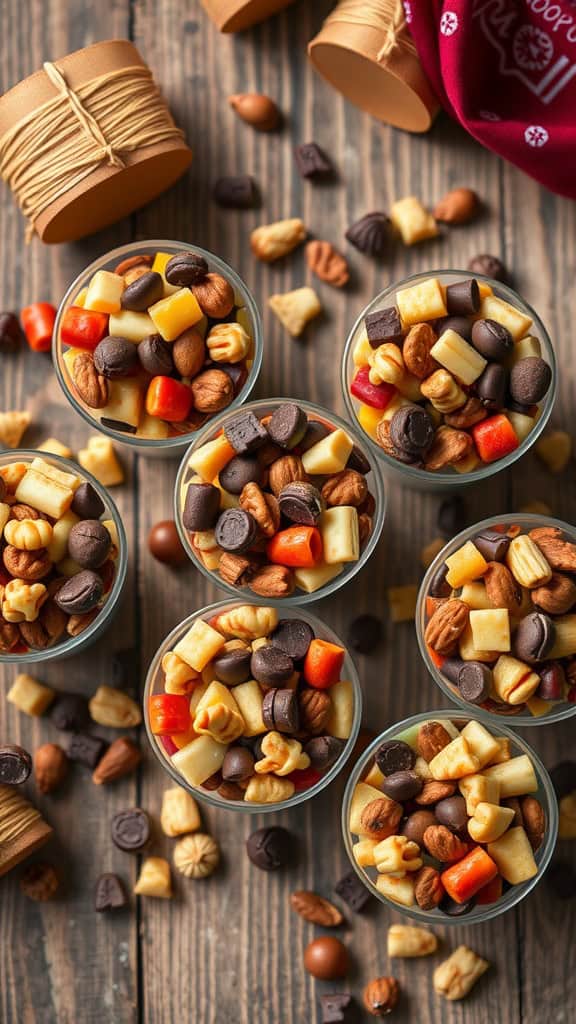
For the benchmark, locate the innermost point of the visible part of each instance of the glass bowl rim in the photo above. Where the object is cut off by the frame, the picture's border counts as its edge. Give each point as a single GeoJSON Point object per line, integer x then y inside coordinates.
{"type": "Point", "coordinates": [532, 519]}
{"type": "Point", "coordinates": [492, 910]}
{"type": "Point", "coordinates": [438, 479]}
{"type": "Point", "coordinates": [207, 796]}
{"type": "Point", "coordinates": [169, 443]}
{"type": "Point", "coordinates": [75, 643]}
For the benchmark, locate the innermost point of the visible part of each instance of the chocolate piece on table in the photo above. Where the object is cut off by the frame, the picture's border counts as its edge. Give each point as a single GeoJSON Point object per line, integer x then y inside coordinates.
{"type": "Point", "coordinates": [287, 425]}
{"type": "Point", "coordinates": [201, 507]}
{"type": "Point", "coordinates": [238, 764]}
{"type": "Point", "coordinates": [383, 325]}
{"type": "Point", "coordinates": [245, 433]}
{"type": "Point", "coordinates": [315, 431]}
{"type": "Point", "coordinates": [280, 711]}
{"type": "Point", "coordinates": [492, 545]}
{"type": "Point", "coordinates": [186, 269]}
{"type": "Point", "coordinates": [270, 666]}
{"type": "Point", "coordinates": [70, 713]}
{"type": "Point", "coordinates": [369, 234]}
{"type": "Point", "coordinates": [15, 765]}
{"type": "Point", "coordinates": [337, 1008]}
{"type": "Point", "coordinates": [293, 636]}
{"type": "Point", "coordinates": [492, 340]}
{"type": "Point", "coordinates": [236, 193]}
{"type": "Point", "coordinates": [11, 334]}
{"type": "Point", "coordinates": [143, 292]}
{"type": "Point", "coordinates": [451, 516]}
{"type": "Point", "coordinates": [463, 298]}
{"type": "Point", "coordinates": [81, 593]}
{"type": "Point", "coordinates": [402, 785]}
{"type": "Point", "coordinates": [534, 637]}
{"type": "Point", "coordinates": [529, 380]}
{"type": "Point", "coordinates": [365, 634]}
{"type": "Point", "coordinates": [87, 503]}
{"type": "Point", "coordinates": [130, 830]}
{"type": "Point", "coordinates": [411, 430]}
{"type": "Point", "coordinates": [241, 470]}
{"type": "Point", "coordinates": [115, 357]}
{"type": "Point", "coordinates": [89, 543]}
{"type": "Point", "coordinates": [312, 161]}
{"type": "Point", "coordinates": [301, 502]}
{"type": "Point", "coordinates": [489, 266]}
{"type": "Point", "coordinates": [155, 355]}
{"type": "Point", "coordinates": [395, 756]}
{"type": "Point", "coordinates": [86, 749]}
{"type": "Point", "coordinates": [353, 891]}
{"type": "Point", "coordinates": [165, 545]}
{"type": "Point", "coordinates": [269, 848]}
{"type": "Point", "coordinates": [232, 667]}
{"type": "Point", "coordinates": [491, 387]}
{"type": "Point", "coordinates": [109, 893]}
{"type": "Point", "coordinates": [324, 751]}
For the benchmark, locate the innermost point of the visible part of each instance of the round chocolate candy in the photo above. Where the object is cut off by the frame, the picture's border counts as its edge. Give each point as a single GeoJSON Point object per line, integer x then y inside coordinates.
{"type": "Point", "coordinates": [236, 530]}
{"type": "Point", "coordinates": [293, 636]}
{"type": "Point", "coordinates": [165, 545]}
{"type": "Point", "coordinates": [416, 824]}
{"type": "Point", "coordinates": [280, 711]}
{"type": "Point", "coordinates": [460, 324]}
{"type": "Point", "coordinates": [529, 380]}
{"type": "Point", "coordinates": [489, 266]}
{"type": "Point", "coordinates": [492, 545]}
{"type": "Point", "coordinates": [186, 269]}
{"type": "Point", "coordinates": [232, 667]}
{"type": "Point", "coordinates": [241, 470]}
{"type": "Point", "coordinates": [270, 666]}
{"type": "Point", "coordinates": [238, 764]}
{"type": "Point", "coordinates": [131, 830]}
{"type": "Point", "coordinates": [452, 812]}
{"type": "Point", "coordinates": [411, 430]}
{"type": "Point", "coordinates": [474, 681]}
{"type": "Point", "coordinates": [395, 756]}
{"type": "Point", "coordinates": [155, 356]}
{"type": "Point", "coordinates": [269, 848]}
{"type": "Point", "coordinates": [326, 958]}
{"type": "Point", "coordinates": [492, 340]}
{"type": "Point", "coordinates": [491, 387]}
{"type": "Point", "coordinates": [89, 543]}
{"type": "Point", "coordinates": [315, 431]}
{"type": "Point", "coordinates": [15, 765]}
{"type": "Point", "coordinates": [201, 507]}
{"type": "Point", "coordinates": [70, 712]}
{"type": "Point", "coordinates": [87, 503]}
{"type": "Point", "coordinates": [287, 425]}
{"type": "Point", "coordinates": [245, 433]}
{"type": "Point", "coordinates": [109, 893]}
{"type": "Point", "coordinates": [402, 785]}
{"type": "Point", "coordinates": [324, 751]}
{"type": "Point", "coordinates": [463, 298]}
{"type": "Point", "coordinates": [81, 593]}
{"type": "Point", "coordinates": [143, 292]}
{"type": "Point", "coordinates": [534, 637]}
{"type": "Point", "coordinates": [364, 634]}
{"type": "Point", "coordinates": [552, 681]}
{"type": "Point", "coordinates": [115, 357]}
{"type": "Point", "coordinates": [301, 502]}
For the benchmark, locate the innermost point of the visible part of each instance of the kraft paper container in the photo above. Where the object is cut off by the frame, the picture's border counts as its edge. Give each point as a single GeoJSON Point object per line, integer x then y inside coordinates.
{"type": "Point", "coordinates": [108, 193]}
{"type": "Point", "coordinates": [236, 15]}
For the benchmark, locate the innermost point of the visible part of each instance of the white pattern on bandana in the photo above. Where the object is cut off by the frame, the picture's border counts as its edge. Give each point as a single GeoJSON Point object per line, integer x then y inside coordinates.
{"type": "Point", "coordinates": [448, 23]}
{"type": "Point", "coordinates": [536, 136]}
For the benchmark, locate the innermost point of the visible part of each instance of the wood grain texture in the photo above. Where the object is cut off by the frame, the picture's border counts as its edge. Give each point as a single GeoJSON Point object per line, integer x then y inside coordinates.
{"type": "Point", "coordinates": [229, 951]}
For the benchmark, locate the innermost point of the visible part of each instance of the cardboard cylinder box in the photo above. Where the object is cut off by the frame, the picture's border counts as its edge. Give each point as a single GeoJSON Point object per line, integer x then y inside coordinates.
{"type": "Point", "coordinates": [22, 829]}
{"type": "Point", "coordinates": [107, 193]}
{"type": "Point", "coordinates": [236, 15]}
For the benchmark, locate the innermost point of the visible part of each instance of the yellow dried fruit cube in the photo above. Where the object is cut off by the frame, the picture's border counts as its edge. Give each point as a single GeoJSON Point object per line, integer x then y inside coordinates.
{"type": "Point", "coordinates": [369, 419]}
{"type": "Point", "coordinates": [457, 356]}
{"type": "Point", "coordinates": [199, 645]}
{"type": "Point", "coordinates": [341, 716]}
{"type": "Point", "coordinates": [475, 596]}
{"type": "Point", "coordinates": [490, 629]}
{"type": "Point", "coordinates": [310, 580]}
{"type": "Point", "coordinates": [329, 455]}
{"type": "Point", "coordinates": [210, 458]}
{"type": "Point", "coordinates": [161, 259]}
{"type": "Point", "coordinates": [99, 458]}
{"type": "Point", "coordinates": [402, 602]}
{"type": "Point", "coordinates": [504, 752]}
{"type": "Point", "coordinates": [555, 450]}
{"type": "Point", "coordinates": [513, 856]}
{"type": "Point", "coordinates": [399, 890]}
{"type": "Point", "coordinates": [538, 707]}
{"type": "Point", "coordinates": [526, 347]}
{"type": "Point", "coordinates": [44, 494]}
{"type": "Point", "coordinates": [374, 777]}
{"type": "Point", "coordinates": [363, 852]}
{"type": "Point", "coordinates": [130, 325]}
{"type": "Point", "coordinates": [340, 534]}
{"type": "Point", "coordinates": [153, 427]}
{"type": "Point", "coordinates": [565, 637]}
{"type": "Point", "coordinates": [295, 309]}
{"type": "Point", "coordinates": [467, 464]}
{"type": "Point", "coordinates": [104, 292]}
{"type": "Point", "coordinates": [412, 220]}
{"type": "Point", "coordinates": [493, 308]}
{"type": "Point", "coordinates": [420, 302]}
{"type": "Point", "coordinates": [514, 681]}
{"type": "Point", "coordinates": [467, 650]}
{"type": "Point", "coordinates": [361, 351]}
{"type": "Point", "coordinates": [175, 313]}
{"type": "Point", "coordinates": [179, 814]}
{"type": "Point", "coordinates": [55, 447]}
{"type": "Point", "coordinates": [465, 565]}
{"type": "Point", "coordinates": [80, 298]}
{"type": "Point", "coordinates": [362, 796]}
{"type": "Point", "coordinates": [200, 759]}
{"type": "Point", "coordinates": [154, 879]}
{"type": "Point", "coordinates": [125, 402]}
{"type": "Point", "coordinates": [478, 789]}
{"type": "Point", "coordinates": [522, 425]}
{"type": "Point", "coordinates": [456, 760]}
{"type": "Point", "coordinates": [13, 426]}
{"type": "Point", "coordinates": [516, 777]}
{"type": "Point", "coordinates": [481, 742]}
{"type": "Point", "coordinates": [30, 696]}
{"type": "Point", "coordinates": [249, 697]}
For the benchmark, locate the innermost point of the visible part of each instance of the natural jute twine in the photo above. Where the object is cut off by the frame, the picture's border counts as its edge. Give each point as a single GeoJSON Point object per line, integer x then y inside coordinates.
{"type": "Point", "coordinates": [67, 138]}
{"type": "Point", "coordinates": [386, 16]}
{"type": "Point", "coordinates": [17, 816]}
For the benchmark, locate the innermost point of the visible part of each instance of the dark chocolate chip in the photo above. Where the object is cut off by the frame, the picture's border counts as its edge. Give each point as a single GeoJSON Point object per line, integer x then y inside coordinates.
{"type": "Point", "coordinates": [11, 334]}
{"type": "Point", "coordinates": [312, 161]}
{"type": "Point", "coordinates": [87, 503]}
{"type": "Point", "coordinates": [416, 824]}
{"type": "Point", "coordinates": [293, 636]}
{"type": "Point", "coordinates": [270, 666]}
{"type": "Point", "coordinates": [130, 830]}
{"type": "Point", "coordinates": [201, 507]}
{"type": "Point", "coordinates": [238, 764]}
{"type": "Point", "coordinates": [115, 357]}
{"type": "Point", "coordinates": [143, 292]}
{"type": "Point", "coordinates": [530, 379]}
{"type": "Point", "coordinates": [109, 893]}
{"type": "Point", "coordinates": [353, 892]}
{"type": "Point", "coordinates": [186, 269]}
{"type": "Point", "coordinates": [358, 461]}
{"type": "Point", "coordinates": [489, 266]}
{"type": "Point", "coordinates": [438, 586]}
{"type": "Point", "coordinates": [70, 712]}
{"type": "Point", "coordinates": [402, 785]}
{"type": "Point", "coordinates": [451, 517]}
{"type": "Point", "coordinates": [213, 782]}
{"type": "Point", "coordinates": [411, 430]}
{"type": "Point", "coordinates": [491, 387]}
{"type": "Point", "coordinates": [280, 711]}
{"type": "Point", "coordinates": [563, 777]}
{"type": "Point", "coordinates": [463, 298]}
{"type": "Point", "coordinates": [492, 340]}
{"type": "Point", "coordinates": [236, 193]}
{"type": "Point", "coordinates": [337, 1008]}
{"type": "Point", "coordinates": [301, 502]}
{"type": "Point", "coordinates": [492, 544]}
{"type": "Point", "coordinates": [395, 756]}
{"type": "Point", "coordinates": [155, 356]}
{"type": "Point", "coordinates": [81, 593]}
{"type": "Point", "coordinates": [534, 637]}
{"type": "Point", "coordinates": [241, 470]}
{"type": "Point", "coordinates": [232, 667]}
{"type": "Point", "coordinates": [369, 234]}
{"type": "Point", "coordinates": [365, 634]}
{"type": "Point", "coordinates": [237, 372]}
{"type": "Point", "coordinates": [236, 530]}
{"type": "Point", "coordinates": [474, 681]}
{"type": "Point", "coordinates": [452, 909]}
{"type": "Point", "coordinates": [552, 681]}
{"type": "Point", "coordinates": [270, 848]}
{"type": "Point", "coordinates": [287, 425]}
{"type": "Point", "coordinates": [245, 433]}
{"type": "Point", "coordinates": [452, 812]}
{"type": "Point", "coordinates": [15, 765]}
{"type": "Point", "coordinates": [460, 324]}
{"type": "Point", "coordinates": [451, 669]}
{"type": "Point", "coordinates": [383, 325]}
{"type": "Point", "coordinates": [89, 543]}
{"type": "Point", "coordinates": [324, 751]}
{"type": "Point", "coordinates": [86, 749]}
{"type": "Point", "coordinates": [315, 432]}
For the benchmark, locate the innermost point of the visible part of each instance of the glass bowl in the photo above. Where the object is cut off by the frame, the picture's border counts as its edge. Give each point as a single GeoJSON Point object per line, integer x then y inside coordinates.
{"type": "Point", "coordinates": [407, 731]}
{"type": "Point", "coordinates": [74, 644]}
{"type": "Point", "coordinates": [154, 446]}
{"type": "Point", "coordinates": [154, 684]}
{"type": "Point", "coordinates": [420, 479]}
{"type": "Point", "coordinates": [375, 483]}
{"type": "Point", "coordinates": [528, 521]}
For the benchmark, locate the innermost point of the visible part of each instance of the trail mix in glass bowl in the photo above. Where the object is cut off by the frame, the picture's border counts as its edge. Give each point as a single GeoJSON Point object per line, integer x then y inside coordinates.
{"type": "Point", "coordinates": [495, 618]}
{"type": "Point", "coordinates": [248, 710]}
{"type": "Point", "coordinates": [444, 819]}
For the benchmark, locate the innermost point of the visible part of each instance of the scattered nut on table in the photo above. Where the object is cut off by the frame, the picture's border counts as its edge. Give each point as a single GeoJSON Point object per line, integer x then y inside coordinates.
{"type": "Point", "coordinates": [197, 855]}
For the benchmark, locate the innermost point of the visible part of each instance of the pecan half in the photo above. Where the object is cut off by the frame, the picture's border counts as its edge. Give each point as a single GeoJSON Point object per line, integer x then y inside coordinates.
{"type": "Point", "coordinates": [381, 817]}
{"type": "Point", "coordinates": [443, 845]}
{"type": "Point", "coordinates": [21, 511]}
{"type": "Point", "coordinates": [428, 888]}
{"type": "Point", "coordinates": [501, 587]}
{"type": "Point", "coordinates": [286, 470]}
{"type": "Point", "coordinates": [315, 908]}
{"type": "Point", "coordinates": [364, 528]}
{"type": "Point", "coordinates": [380, 996]}
{"type": "Point", "coordinates": [26, 565]}
{"type": "Point", "coordinates": [471, 412]}
{"type": "Point", "coordinates": [432, 738]}
{"type": "Point", "coordinates": [433, 791]}
{"type": "Point", "coordinates": [90, 385]}
{"type": "Point", "coordinates": [557, 596]}
{"type": "Point", "coordinates": [534, 820]}
{"type": "Point", "coordinates": [272, 581]}
{"type": "Point", "coordinates": [446, 626]}
{"type": "Point", "coordinates": [416, 351]}
{"type": "Point", "coordinates": [9, 634]}
{"type": "Point", "coordinates": [345, 488]}
{"type": "Point", "coordinates": [133, 267]}
{"type": "Point", "coordinates": [559, 553]}
{"type": "Point", "coordinates": [314, 708]}
{"type": "Point", "coordinates": [448, 447]}
{"type": "Point", "coordinates": [262, 507]}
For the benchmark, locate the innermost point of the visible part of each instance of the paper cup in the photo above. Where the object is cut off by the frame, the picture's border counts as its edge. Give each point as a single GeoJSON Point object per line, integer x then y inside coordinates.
{"type": "Point", "coordinates": [236, 15]}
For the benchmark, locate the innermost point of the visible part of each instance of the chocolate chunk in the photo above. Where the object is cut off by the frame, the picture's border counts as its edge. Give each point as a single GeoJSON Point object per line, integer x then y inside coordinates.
{"type": "Point", "coordinates": [383, 325]}
{"type": "Point", "coordinates": [324, 751]}
{"type": "Point", "coordinates": [280, 711]}
{"type": "Point", "coordinates": [287, 425]}
{"type": "Point", "coordinates": [232, 667]}
{"type": "Point", "coordinates": [452, 909]}
{"type": "Point", "coordinates": [474, 681]}
{"type": "Point", "coordinates": [358, 461]}
{"type": "Point", "coordinates": [293, 636]}
{"type": "Point", "coordinates": [315, 432]}
{"type": "Point", "coordinates": [552, 681]}
{"type": "Point", "coordinates": [11, 334]}
{"type": "Point", "coordinates": [81, 593]}
{"type": "Point", "coordinates": [492, 544]}
{"type": "Point", "coordinates": [155, 356]}
{"type": "Point", "coordinates": [70, 712]}
{"type": "Point", "coordinates": [15, 765]}
{"type": "Point", "coordinates": [492, 340]}
{"type": "Point", "coordinates": [238, 764]}
{"type": "Point", "coordinates": [402, 785]}
{"type": "Point", "coordinates": [270, 848]}
{"type": "Point", "coordinates": [563, 777]}
{"type": "Point", "coordinates": [121, 425]}
{"type": "Point", "coordinates": [109, 893]}
{"type": "Point", "coordinates": [201, 507]}
{"type": "Point", "coordinates": [353, 892]}
{"type": "Point", "coordinates": [241, 470]}
{"type": "Point", "coordinates": [369, 234]}
{"type": "Point", "coordinates": [236, 193]}
{"type": "Point", "coordinates": [115, 357]}
{"type": "Point", "coordinates": [143, 292]}
{"type": "Point", "coordinates": [236, 530]}
{"type": "Point", "coordinates": [312, 161]}
{"type": "Point", "coordinates": [270, 666]}
{"type": "Point", "coordinates": [301, 502]}
{"type": "Point", "coordinates": [130, 830]}
{"type": "Point", "coordinates": [89, 543]}
{"type": "Point", "coordinates": [237, 372]}
{"type": "Point", "coordinates": [186, 269]}
{"type": "Point", "coordinates": [451, 669]}
{"type": "Point", "coordinates": [416, 824]}
{"type": "Point", "coordinates": [534, 637]}
{"type": "Point", "coordinates": [452, 812]}
{"type": "Point", "coordinates": [337, 1008]}
{"type": "Point", "coordinates": [365, 634]}
{"type": "Point", "coordinates": [489, 266]}
{"type": "Point", "coordinates": [451, 517]}
{"type": "Point", "coordinates": [438, 586]}
{"type": "Point", "coordinates": [491, 387]}
{"type": "Point", "coordinates": [529, 380]}
{"type": "Point", "coordinates": [460, 324]}
{"type": "Point", "coordinates": [87, 503]}
{"type": "Point", "coordinates": [86, 749]}
{"type": "Point", "coordinates": [411, 430]}
{"type": "Point", "coordinates": [395, 756]}
{"type": "Point", "coordinates": [463, 298]}
{"type": "Point", "coordinates": [245, 433]}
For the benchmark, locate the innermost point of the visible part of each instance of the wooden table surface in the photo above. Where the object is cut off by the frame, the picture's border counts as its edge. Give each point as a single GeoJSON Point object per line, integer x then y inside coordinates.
{"type": "Point", "coordinates": [230, 951]}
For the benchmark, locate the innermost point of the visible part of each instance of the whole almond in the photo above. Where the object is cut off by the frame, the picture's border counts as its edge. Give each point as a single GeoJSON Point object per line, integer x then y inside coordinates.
{"type": "Point", "coordinates": [315, 908]}
{"type": "Point", "coordinates": [416, 351]}
{"type": "Point", "coordinates": [443, 845]}
{"type": "Point", "coordinates": [457, 207]}
{"type": "Point", "coordinates": [328, 264]}
{"type": "Point", "coordinates": [50, 767]}
{"type": "Point", "coordinates": [121, 758]}
{"type": "Point", "coordinates": [446, 626]}
{"type": "Point", "coordinates": [534, 820]}
{"type": "Point", "coordinates": [256, 109]}
{"type": "Point", "coordinates": [432, 738]}
{"type": "Point", "coordinates": [428, 888]}
{"type": "Point", "coordinates": [501, 587]}
{"type": "Point", "coordinates": [90, 385]}
{"type": "Point", "coordinates": [557, 596]}
{"type": "Point", "coordinates": [433, 791]}
{"type": "Point", "coordinates": [348, 487]}
{"type": "Point", "coordinates": [381, 818]}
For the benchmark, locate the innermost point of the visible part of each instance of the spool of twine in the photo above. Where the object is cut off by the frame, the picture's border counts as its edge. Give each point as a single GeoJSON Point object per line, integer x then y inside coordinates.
{"type": "Point", "coordinates": [22, 828]}
{"type": "Point", "coordinates": [99, 117]}
{"type": "Point", "coordinates": [364, 49]}
{"type": "Point", "coordinates": [236, 15]}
